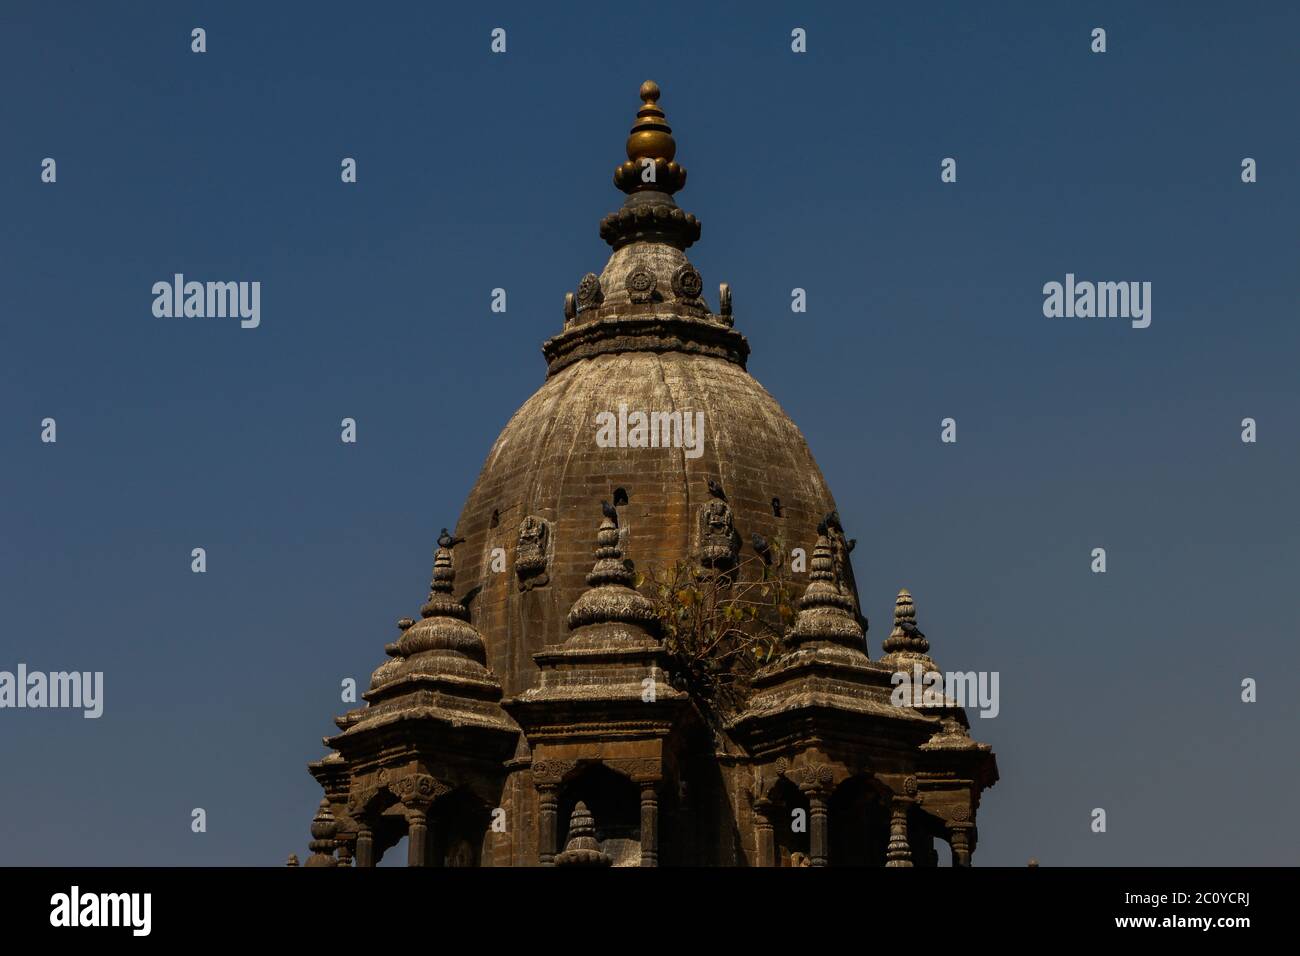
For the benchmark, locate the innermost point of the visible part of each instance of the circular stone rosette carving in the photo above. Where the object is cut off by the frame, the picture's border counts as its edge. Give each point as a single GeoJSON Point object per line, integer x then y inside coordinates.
{"type": "Point", "coordinates": [589, 292]}
{"type": "Point", "coordinates": [687, 283]}
{"type": "Point", "coordinates": [641, 285]}
{"type": "Point", "coordinates": [909, 786]}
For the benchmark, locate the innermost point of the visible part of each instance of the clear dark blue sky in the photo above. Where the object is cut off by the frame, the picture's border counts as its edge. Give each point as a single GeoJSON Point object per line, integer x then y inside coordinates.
{"type": "Point", "coordinates": [820, 171]}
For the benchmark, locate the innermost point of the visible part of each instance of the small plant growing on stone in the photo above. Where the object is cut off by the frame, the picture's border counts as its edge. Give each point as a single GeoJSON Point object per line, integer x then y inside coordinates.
{"type": "Point", "coordinates": [720, 626]}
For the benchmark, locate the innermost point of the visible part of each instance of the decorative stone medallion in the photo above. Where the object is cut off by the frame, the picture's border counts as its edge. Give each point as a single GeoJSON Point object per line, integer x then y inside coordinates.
{"type": "Point", "coordinates": [641, 286]}
{"type": "Point", "coordinates": [589, 292]}
{"type": "Point", "coordinates": [687, 283]}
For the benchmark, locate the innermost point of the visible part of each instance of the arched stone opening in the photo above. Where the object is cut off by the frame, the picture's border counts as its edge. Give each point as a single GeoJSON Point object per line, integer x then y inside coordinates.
{"type": "Point", "coordinates": [791, 818]}
{"type": "Point", "coordinates": [388, 832]}
{"type": "Point", "coordinates": [858, 823]}
{"type": "Point", "coordinates": [462, 826]}
{"type": "Point", "coordinates": [614, 802]}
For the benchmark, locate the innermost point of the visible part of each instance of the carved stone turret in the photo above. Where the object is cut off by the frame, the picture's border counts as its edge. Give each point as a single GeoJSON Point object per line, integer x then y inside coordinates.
{"type": "Point", "coordinates": [581, 849]}
{"type": "Point", "coordinates": [905, 643]}
{"type": "Point", "coordinates": [613, 652]}
{"type": "Point", "coordinates": [438, 666]}
{"type": "Point", "coordinates": [323, 829]}
{"type": "Point", "coordinates": [824, 679]}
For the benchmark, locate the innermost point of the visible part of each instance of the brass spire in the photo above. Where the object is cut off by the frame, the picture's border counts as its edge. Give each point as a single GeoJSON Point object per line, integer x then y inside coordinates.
{"type": "Point", "coordinates": [650, 150]}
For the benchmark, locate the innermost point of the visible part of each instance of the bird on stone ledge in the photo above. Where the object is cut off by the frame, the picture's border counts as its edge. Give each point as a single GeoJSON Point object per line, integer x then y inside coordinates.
{"type": "Point", "coordinates": [445, 540]}
{"type": "Point", "coordinates": [609, 511]}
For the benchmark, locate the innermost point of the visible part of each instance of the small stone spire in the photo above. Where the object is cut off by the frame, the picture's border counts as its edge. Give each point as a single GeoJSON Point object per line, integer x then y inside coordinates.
{"type": "Point", "coordinates": [292, 861]}
{"type": "Point", "coordinates": [906, 636]}
{"type": "Point", "coordinates": [651, 139]}
{"type": "Point", "coordinates": [610, 597]}
{"type": "Point", "coordinates": [323, 828]}
{"type": "Point", "coordinates": [440, 602]}
{"type": "Point", "coordinates": [444, 627]}
{"type": "Point", "coordinates": [582, 848]}
{"type": "Point", "coordinates": [389, 668]}
{"type": "Point", "coordinates": [825, 611]}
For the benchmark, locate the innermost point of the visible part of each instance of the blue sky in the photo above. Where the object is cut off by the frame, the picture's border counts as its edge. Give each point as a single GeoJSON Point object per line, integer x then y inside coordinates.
{"type": "Point", "coordinates": [818, 171]}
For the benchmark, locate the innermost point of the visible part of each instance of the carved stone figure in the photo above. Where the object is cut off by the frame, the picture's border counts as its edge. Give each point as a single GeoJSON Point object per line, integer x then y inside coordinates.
{"type": "Point", "coordinates": [719, 543]}
{"type": "Point", "coordinates": [530, 553]}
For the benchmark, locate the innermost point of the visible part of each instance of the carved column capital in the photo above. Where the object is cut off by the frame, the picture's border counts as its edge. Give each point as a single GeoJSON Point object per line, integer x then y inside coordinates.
{"type": "Point", "coordinates": [815, 779]}
{"type": "Point", "coordinates": [960, 840]}
{"type": "Point", "coordinates": [549, 773]}
{"type": "Point", "coordinates": [417, 791]}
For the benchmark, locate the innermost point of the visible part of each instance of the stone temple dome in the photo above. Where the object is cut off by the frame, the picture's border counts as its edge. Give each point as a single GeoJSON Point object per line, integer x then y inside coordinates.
{"type": "Point", "coordinates": [538, 682]}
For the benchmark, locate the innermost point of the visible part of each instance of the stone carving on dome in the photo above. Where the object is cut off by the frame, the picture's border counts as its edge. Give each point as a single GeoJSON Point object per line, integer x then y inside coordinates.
{"type": "Point", "coordinates": [589, 292]}
{"type": "Point", "coordinates": [641, 285]}
{"type": "Point", "coordinates": [687, 283]}
{"type": "Point", "coordinates": [531, 553]}
{"type": "Point", "coordinates": [719, 543]}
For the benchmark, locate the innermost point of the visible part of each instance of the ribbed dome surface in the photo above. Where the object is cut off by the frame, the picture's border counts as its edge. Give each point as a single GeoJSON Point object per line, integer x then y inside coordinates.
{"type": "Point", "coordinates": [547, 463]}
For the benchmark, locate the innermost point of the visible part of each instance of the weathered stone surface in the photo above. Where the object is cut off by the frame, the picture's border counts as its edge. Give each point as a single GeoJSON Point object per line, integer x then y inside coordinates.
{"type": "Point", "coordinates": [529, 718]}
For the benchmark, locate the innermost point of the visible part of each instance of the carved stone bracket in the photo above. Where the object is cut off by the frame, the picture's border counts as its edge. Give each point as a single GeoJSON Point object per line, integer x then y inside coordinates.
{"type": "Point", "coordinates": [365, 802]}
{"type": "Point", "coordinates": [551, 772]}
{"type": "Point", "coordinates": [813, 778]}
{"type": "Point", "coordinates": [418, 790]}
{"type": "Point", "coordinates": [637, 769]}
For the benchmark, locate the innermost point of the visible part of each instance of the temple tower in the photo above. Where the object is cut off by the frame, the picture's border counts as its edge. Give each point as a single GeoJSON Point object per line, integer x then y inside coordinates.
{"type": "Point", "coordinates": [661, 702]}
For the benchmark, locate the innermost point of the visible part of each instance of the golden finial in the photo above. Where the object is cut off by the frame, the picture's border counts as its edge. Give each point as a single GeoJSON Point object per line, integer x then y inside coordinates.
{"type": "Point", "coordinates": [650, 150]}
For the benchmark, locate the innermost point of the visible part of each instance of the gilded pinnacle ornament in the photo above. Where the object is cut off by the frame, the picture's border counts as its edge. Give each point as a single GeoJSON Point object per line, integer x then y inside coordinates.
{"type": "Point", "coordinates": [650, 150]}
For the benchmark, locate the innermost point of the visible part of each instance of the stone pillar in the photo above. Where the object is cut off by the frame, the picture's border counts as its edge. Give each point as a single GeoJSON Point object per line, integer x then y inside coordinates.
{"type": "Point", "coordinates": [365, 847]}
{"type": "Point", "coordinates": [766, 835]}
{"type": "Point", "coordinates": [960, 842]}
{"type": "Point", "coordinates": [649, 823]}
{"type": "Point", "coordinates": [547, 810]}
{"type": "Point", "coordinates": [417, 835]}
{"type": "Point", "coordinates": [818, 848]}
{"type": "Point", "coordinates": [323, 829]}
{"type": "Point", "coordinates": [345, 850]}
{"type": "Point", "coordinates": [900, 850]}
